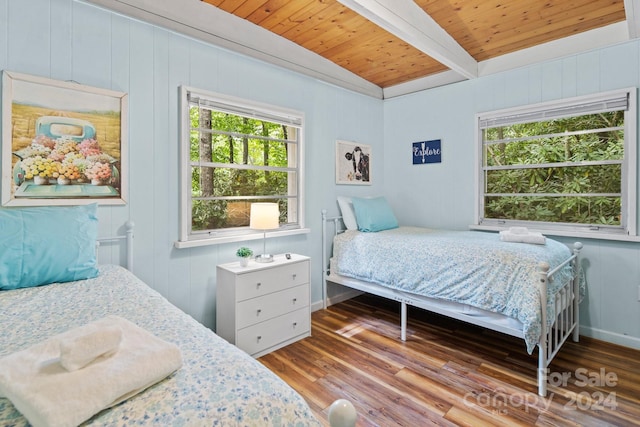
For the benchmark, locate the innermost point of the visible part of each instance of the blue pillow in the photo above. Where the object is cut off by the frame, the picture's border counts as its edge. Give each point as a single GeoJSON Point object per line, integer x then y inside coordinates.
{"type": "Point", "coordinates": [374, 214]}
{"type": "Point", "coordinates": [46, 245]}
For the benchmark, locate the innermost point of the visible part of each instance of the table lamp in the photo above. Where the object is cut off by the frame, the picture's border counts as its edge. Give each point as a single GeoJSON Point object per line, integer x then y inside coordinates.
{"type": "Point", "coordinates": [264, 216]}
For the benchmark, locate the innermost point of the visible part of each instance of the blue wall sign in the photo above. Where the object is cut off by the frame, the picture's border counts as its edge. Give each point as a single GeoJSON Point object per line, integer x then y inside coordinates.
{"type": "Point", "coordinates": [427, 152]}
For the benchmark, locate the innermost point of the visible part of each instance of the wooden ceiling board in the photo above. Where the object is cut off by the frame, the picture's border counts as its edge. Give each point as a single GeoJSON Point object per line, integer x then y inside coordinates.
{"type": "Point", "coordinates": [406, 73]}
{"type": "Point", "coordinates": [342, 32]}
{"type": "Point", "coordinates": [270, 8]}
{"type": "Point", "coordinates": [283, 16]}
{"type": "Point", "coordinates": [533, 38]}
{"type": "Point", "coordinates": [517, 39]}
{"type": "Point", "coordinates": [486, 29]}
{"type": "Point", "coordinates": [379, 57]}
{"type": "Point", "coordinates": [246, 8]}
{"type": "Point", "coordinates": [344, 21]}
{"type": "Point", "coordinates": [313, 20]}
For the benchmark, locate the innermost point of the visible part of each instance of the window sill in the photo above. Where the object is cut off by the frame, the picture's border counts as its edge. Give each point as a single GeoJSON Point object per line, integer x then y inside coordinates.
{"type": "Point", "coordinates": [575, 234]}
{"type": "Point", "coordinates": [206, 241]}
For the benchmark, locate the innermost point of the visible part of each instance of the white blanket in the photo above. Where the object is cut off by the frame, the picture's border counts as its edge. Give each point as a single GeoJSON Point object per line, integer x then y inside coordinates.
{"type": "Point", "coordinates": [522, 235]}
{"type": "Point", "coordinates": [49, 395]}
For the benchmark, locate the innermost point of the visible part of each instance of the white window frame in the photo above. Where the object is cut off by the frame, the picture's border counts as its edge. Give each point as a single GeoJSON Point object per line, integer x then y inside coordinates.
{"type": "Point", "coordinates": [564, 108]}
{"type": "Point", "coordinates": [249, 108]}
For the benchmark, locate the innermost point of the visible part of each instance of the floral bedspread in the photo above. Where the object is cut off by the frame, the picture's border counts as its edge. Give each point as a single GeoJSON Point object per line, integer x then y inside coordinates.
{"type": "Point", "coordinates": [218, 384]}
{"type": "Point", "coordinates": [467, 267]}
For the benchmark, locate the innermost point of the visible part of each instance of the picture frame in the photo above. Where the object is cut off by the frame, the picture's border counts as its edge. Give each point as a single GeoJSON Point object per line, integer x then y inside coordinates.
{"type": "Point", "coordinates": [353, 163]}
{"type": "Point", "coordinates": [63, 143]}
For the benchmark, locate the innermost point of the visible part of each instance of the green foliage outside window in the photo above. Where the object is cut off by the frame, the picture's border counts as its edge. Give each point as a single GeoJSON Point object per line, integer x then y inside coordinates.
{"type": "Point", "coordinates": [234, 159]}
{"type": "Point", "coordinates": [564, 171]}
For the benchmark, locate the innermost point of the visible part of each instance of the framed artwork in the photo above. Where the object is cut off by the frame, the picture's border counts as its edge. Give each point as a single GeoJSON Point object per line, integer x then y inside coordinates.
{"type": "Point", "coordinates": [62, 143]}
{"type": "Point", "coordinates": [353, 163]}
{"type": "Point", "coordinates": [425, 152]}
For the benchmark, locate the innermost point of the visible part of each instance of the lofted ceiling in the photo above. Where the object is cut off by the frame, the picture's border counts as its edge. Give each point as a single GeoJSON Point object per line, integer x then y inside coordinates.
{"type": "Point", "coordinates": [388, 48]}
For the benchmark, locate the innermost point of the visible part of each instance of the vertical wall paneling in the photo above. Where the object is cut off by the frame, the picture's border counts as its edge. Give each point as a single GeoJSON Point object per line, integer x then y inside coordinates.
{"type": "Point", "coordinates": [204, 73]}
{"type": "Point", "coordinates": [552, 80]}
{"type": "Point", "coordinates": [535, 84]}
{"type": "Point", "coordinates": [517, 86]}
{"type": "Point", "coordinates": [569, 74]}
{"type": "Point", "coordinates": [98, 48]}
{"type": "Point", "coordinates": [610, 310]}
{"type": "Point", "coordinates": [620, 64]}
{"type": "Point", "coordinates": [616, 289]}
{"type": "Point", "coordinates": [70, 40]}
{"type": "Point", "coordinates": [91, 46]}
{"type": "Point", "coordinates": [29, 37]}
{"type": "Point", "coordinates": [4, 34]}
{"type": "Point", "coordinates": [588, 73]}
{"type": "Point", "coordinates": [61, 39]}
{"type": "Point", "coordinates": [161, 159]}
{"type": "Point", "coordinates": [119, 71]}
{"type": "Point", "coordinates": [179, 276]}
{"type": "Point", "coordinates": [142, 147]}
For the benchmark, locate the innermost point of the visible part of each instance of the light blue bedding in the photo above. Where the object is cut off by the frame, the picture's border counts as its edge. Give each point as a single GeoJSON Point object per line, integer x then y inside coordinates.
{"type": "Point", "coordinates": [467, 267]}
{"type": "Point", "coordinates": [218, 384]}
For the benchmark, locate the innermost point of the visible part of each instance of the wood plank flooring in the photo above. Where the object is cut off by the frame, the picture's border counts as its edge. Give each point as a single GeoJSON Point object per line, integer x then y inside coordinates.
{"type": "Point", "coordinates": [451, 373]}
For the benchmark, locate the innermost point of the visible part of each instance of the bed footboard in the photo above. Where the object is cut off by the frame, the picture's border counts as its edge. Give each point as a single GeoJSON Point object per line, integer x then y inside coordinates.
{"type": "Point", "coordinates": [567, 316]}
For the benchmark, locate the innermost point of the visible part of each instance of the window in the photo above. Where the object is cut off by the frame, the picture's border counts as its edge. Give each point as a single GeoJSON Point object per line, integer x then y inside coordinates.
{"type": "Point", "coordinates": [236, 152]}
{"type": "Point", "coordinates": [566, 166]}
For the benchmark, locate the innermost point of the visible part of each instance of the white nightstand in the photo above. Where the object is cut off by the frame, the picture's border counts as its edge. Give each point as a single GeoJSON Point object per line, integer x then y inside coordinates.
{"type": "Point", "coordinates": [264, 306]}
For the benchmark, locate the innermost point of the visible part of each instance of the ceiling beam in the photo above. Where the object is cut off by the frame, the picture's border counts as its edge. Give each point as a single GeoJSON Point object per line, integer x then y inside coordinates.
{"type": "Point", "coordinates": [632, 11]}
{"type": "Point", "coordinates": [569, 46]}
{"type": "Point", "coordinates": [407, 21]}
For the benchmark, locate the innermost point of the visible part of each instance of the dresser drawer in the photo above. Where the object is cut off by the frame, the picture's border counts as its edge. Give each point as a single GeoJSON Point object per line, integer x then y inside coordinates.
{"type": "Point", "coordinates": [263, 282]}
{"type": "Point", "coordinates": [263, 308]}
{"type": "Point", "coordinates": [256, 338]}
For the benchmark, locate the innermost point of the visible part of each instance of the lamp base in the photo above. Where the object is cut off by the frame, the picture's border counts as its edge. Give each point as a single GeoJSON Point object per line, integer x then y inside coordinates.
{"type": "Point", "coordinates": [264, 258]}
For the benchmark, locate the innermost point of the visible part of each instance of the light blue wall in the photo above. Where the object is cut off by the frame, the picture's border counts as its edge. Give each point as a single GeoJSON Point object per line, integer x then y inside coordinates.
{"type": "Point", "coordinates": [70, 40]}
{"type": "Point", "coordinates": [442, 195]}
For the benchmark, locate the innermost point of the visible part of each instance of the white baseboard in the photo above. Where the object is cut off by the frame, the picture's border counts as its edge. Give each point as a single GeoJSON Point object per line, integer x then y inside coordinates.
{"type": "Point", "coordinates": [612, 337]}
{"type": "Point", "coordinates": [343, 296]}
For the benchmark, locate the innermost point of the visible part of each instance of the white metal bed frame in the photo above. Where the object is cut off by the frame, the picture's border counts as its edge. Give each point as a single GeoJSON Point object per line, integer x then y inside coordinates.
{"type": "Point", "coordinates": [552, 338]}
{"type": "Point", "coordinates": [127, 237]}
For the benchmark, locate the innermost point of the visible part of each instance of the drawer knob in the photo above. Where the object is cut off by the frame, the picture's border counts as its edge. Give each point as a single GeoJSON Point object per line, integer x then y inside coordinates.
{"type": "Point", "coordinates": [295, 300]}
{"type": "Point", "coordinates": [294, 276]}
{"type": "Point", "coordinates": [259, 338]}
{"type": "Point", "coordinates": [258, 285]}
{"type": "Point", "coordinates": [259, 311]}
{"type": "Point", "coordinates": [295, 324]}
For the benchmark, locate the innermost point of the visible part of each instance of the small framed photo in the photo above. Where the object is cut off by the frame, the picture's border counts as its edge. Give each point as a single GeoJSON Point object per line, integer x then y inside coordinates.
{"type": "Point", "coordinates": [62, 143]}
{"type": "Point", "coordinates": [353, 163]}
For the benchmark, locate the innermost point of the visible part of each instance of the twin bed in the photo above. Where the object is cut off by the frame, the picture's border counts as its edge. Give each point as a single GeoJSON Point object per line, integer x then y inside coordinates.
{"type": "Point", "coordinates": [215, 383]}
{"type": "Point", "coordinates": [50, 284]}
{"type": "Point", "coordinates": [528, 290]}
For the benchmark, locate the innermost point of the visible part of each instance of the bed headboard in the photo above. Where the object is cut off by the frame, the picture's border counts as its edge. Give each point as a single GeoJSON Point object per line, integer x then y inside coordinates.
{"type": "Point", "coordinates": [127, 237]}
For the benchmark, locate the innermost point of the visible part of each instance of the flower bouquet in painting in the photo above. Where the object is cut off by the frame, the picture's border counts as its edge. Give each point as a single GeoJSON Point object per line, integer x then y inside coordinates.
{"type": "Point", "coordinates": [73, 157]}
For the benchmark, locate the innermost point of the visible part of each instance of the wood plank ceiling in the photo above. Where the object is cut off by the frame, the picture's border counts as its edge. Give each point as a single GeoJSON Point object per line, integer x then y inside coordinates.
{"type": "Point", "coordinates": [386, 48]}
{"type": "Point", "coordinates": [485, 29]}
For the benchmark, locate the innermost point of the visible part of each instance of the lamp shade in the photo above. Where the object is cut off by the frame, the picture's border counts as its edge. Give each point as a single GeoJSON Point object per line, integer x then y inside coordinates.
{"type": "Point", "coordinates": [264, 216]}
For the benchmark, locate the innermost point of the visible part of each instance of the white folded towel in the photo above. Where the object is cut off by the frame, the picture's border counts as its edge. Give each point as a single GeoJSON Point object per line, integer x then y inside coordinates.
{"type": "Point", "coordinates": [87, 343]}
{"type": "Point", "coordinates": [522, 235]}
{"type": "Point", "coordinates": [47, 394]}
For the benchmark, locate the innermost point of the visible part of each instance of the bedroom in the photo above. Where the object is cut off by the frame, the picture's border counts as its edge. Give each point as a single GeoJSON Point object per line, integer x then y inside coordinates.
{"type": "Point", "coordinates": [72, 40]}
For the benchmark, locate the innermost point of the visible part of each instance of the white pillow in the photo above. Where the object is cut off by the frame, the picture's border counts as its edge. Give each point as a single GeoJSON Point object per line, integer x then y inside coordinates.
{"type": "Point", "coordinates": [348, 214]}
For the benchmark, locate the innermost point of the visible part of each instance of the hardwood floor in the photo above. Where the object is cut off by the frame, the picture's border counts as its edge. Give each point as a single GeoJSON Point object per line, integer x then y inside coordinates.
{"type": "Point", "coordinates": [452, 373]}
